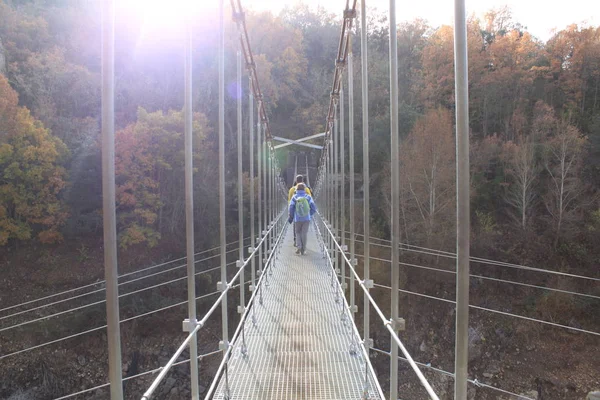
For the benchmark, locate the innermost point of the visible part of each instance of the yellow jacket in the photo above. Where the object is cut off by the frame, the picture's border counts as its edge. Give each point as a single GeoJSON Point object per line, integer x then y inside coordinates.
{"type": "Point", "coordinates": [293, 191]}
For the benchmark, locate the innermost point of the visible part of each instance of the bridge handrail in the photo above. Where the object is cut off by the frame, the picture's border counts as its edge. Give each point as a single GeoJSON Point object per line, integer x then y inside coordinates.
{"type": "Point", "coordinates": [387, 323]}
{"type": "Point", "coordinates": [199, 324]}
{"type": "Point", "coordinates": [245, 314]}
{"type": "Point", "coordinates": [355, 330]}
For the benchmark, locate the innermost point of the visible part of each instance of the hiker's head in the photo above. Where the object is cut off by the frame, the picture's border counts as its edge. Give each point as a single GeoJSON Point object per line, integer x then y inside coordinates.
{"type": "Point", "coordinates": [299, 179]}
{"type": "Point", "coordinates": [300, 186]}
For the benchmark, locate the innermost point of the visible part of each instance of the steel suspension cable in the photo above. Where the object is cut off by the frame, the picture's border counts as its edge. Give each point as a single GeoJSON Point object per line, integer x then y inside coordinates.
{"type": "Point", "coordinates": [497, 311]}
{"type": "Point", "coordinates": [487, 278]}
{"type": "Point", "coordinates": [222, 234]}
{"type": "Point", "coordinates": [240, 177]}
{"type": "Point", "coordinates": [102, 282]}
{"type": "Point", "coordinates": [100, 327]}
{"type": "Point", "coordinates": [479, 260]}
{"type": "Point", "coordinates": [472, 381]}
{"type": "Point", "coordinates": [395, 192]}
{"type": "Point", "coordinates": [189, 205]}
{"type": "Point", "coordinates": [104, 326]}
{"type": "Point", "coordinates": [239, 18]}
{"type": "Point", "coordinates": [102, 301]}
{"type": "Point", "coordinates": [340, 64]}
{"type": "Point", "coordinates": [364, 56]}
{"type": "Point", "coordinates": [352, 172]}
{"type": "Point", "coordinates": [251, 151]}
{"type": "Point", "coordinates": [121, 321]}
{"type": "Point", "coordinates": [109, 218]}
{"type": "Point", "coordinates": [101, 290]}
{"type": "Point", "coordinates": [343, 179]}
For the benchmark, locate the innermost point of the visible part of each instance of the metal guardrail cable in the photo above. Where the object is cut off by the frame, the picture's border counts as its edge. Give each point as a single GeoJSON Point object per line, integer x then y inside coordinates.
{"type": "Point", "coordinates": [103, 301]}
{"type": "Point", "coordinates": [102, 282]}
{"type": "Point", "coordinates": [441, 371]}
{"type": "Point", "coordinates": [153, 371]}
{"type": "Point", "coordinates": [479, 260]}
{"type": "Point", "coordinates": [387, 323]}
{"type": "Point", "coordinates": [120, 284]}
{"type": "Point", "coordinates": [244, 316]}
{"type": "Point", "coordinates": [148, 394]}
{"type": "Point", "coordinates": [496, 311]}
{"type": "Point", "coordinates": [591, 296]}
{"type": "Point", "coordinates": [104, 326]}
{"type": "Point", "coordinates": [173, 305]}
{"type": "Point", "coordinates": [346, 309]}
{"type": "Point", "coordinates": [101, 327]}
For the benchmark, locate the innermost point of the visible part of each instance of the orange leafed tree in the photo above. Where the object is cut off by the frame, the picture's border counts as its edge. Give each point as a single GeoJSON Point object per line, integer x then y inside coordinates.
{"type": "Point", "coordinates": [149, 166]}
{"type": "Point", "coordinates": [31, 176]}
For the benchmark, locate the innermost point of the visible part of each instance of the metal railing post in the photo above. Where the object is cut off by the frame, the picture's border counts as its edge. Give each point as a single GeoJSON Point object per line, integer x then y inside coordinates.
{"type": "Point", "coordinates": [343, 187]}
{"type": "Point", "coordinates": [273, 194]}
{"type": "Point", "coordinates": [272, 198]}
{"type": "Point", "coordinates": [296, 167]}
{"type": "Point", "coordinates": [395, 181]}
{"type": "Point", "coordinates": [222, 237]}
{"type": "Point", "coordinates": [264, 189]}
{"type": "Point", "coordinates": [351, 170]}
{"type": "Point", "coordinates": [366, 176]}
{"type": "Point", "coordinates": [189, 211]}
{"type": "Point", "coordinates": [388, 325]}
{"type": "Point", "coordinates": [330, 187]}
{"type": "Point", "coordinates": [307, 171]}
{"type": "Point", "coordinates": [251, 150]}
{"type": "Point", "coordinates": [335, 174]}
{"type": "Point", "coordinates": [270, 193]}
{"type": "Point", "coordinates": [325, 183]}
{"type": "Point", "coordinates": [325, 188]}
{"type": "Point", "coordinates": [259, 184]}
{"type": "Point", "coordinates": [113, 331]}
{"type": "Point", "coordinates": [273, 187]}
{"type": "Point", "coordinates": [240, 188]}
{"type": "Point", "coordinates": [463, 221]}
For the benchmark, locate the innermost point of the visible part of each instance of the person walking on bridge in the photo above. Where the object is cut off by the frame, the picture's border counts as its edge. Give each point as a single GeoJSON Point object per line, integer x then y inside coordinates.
{"type": "Point", "coordinates": [292, 191]}
{"type": "Point", "coordinates": [301, 209]}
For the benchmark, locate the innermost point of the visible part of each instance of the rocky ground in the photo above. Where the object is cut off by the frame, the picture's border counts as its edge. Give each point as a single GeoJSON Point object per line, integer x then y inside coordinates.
{"type": "Point", "coordinates": [518, 356]}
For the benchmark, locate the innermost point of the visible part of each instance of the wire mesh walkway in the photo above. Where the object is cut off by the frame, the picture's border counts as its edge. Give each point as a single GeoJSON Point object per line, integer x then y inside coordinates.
{"type": "Point", "coordinates": [298, 347]}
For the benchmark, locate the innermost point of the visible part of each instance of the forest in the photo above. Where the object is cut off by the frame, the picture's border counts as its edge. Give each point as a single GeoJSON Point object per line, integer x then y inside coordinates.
{"type": "Point", "coordinates": [535, 175]}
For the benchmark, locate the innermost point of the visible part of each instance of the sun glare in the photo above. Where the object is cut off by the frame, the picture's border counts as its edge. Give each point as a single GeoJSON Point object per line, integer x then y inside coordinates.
{"type": "Point", "coordinates": [159, 17]}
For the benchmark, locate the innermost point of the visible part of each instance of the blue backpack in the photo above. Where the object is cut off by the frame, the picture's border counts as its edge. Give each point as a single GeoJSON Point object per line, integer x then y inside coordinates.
{"type": "Point", "coordinates": [302, 207]}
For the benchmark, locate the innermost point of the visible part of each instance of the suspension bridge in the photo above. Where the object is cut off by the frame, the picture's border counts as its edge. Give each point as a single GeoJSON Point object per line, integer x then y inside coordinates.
{"type": "Point", "coordinates": [297, 336]}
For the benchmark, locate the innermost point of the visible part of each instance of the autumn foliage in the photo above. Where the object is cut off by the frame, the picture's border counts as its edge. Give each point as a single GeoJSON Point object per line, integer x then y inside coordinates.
{"type": "Point", "coordinates": [31, 175]}
{"type": "Point", "coordinates": [149, 167]}
{"type": "Point", "coordinates": [529, 100]}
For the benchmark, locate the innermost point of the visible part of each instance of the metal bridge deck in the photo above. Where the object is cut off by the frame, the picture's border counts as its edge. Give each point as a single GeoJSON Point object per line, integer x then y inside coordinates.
{"type": "Point", "coordinates": [299, 347]}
